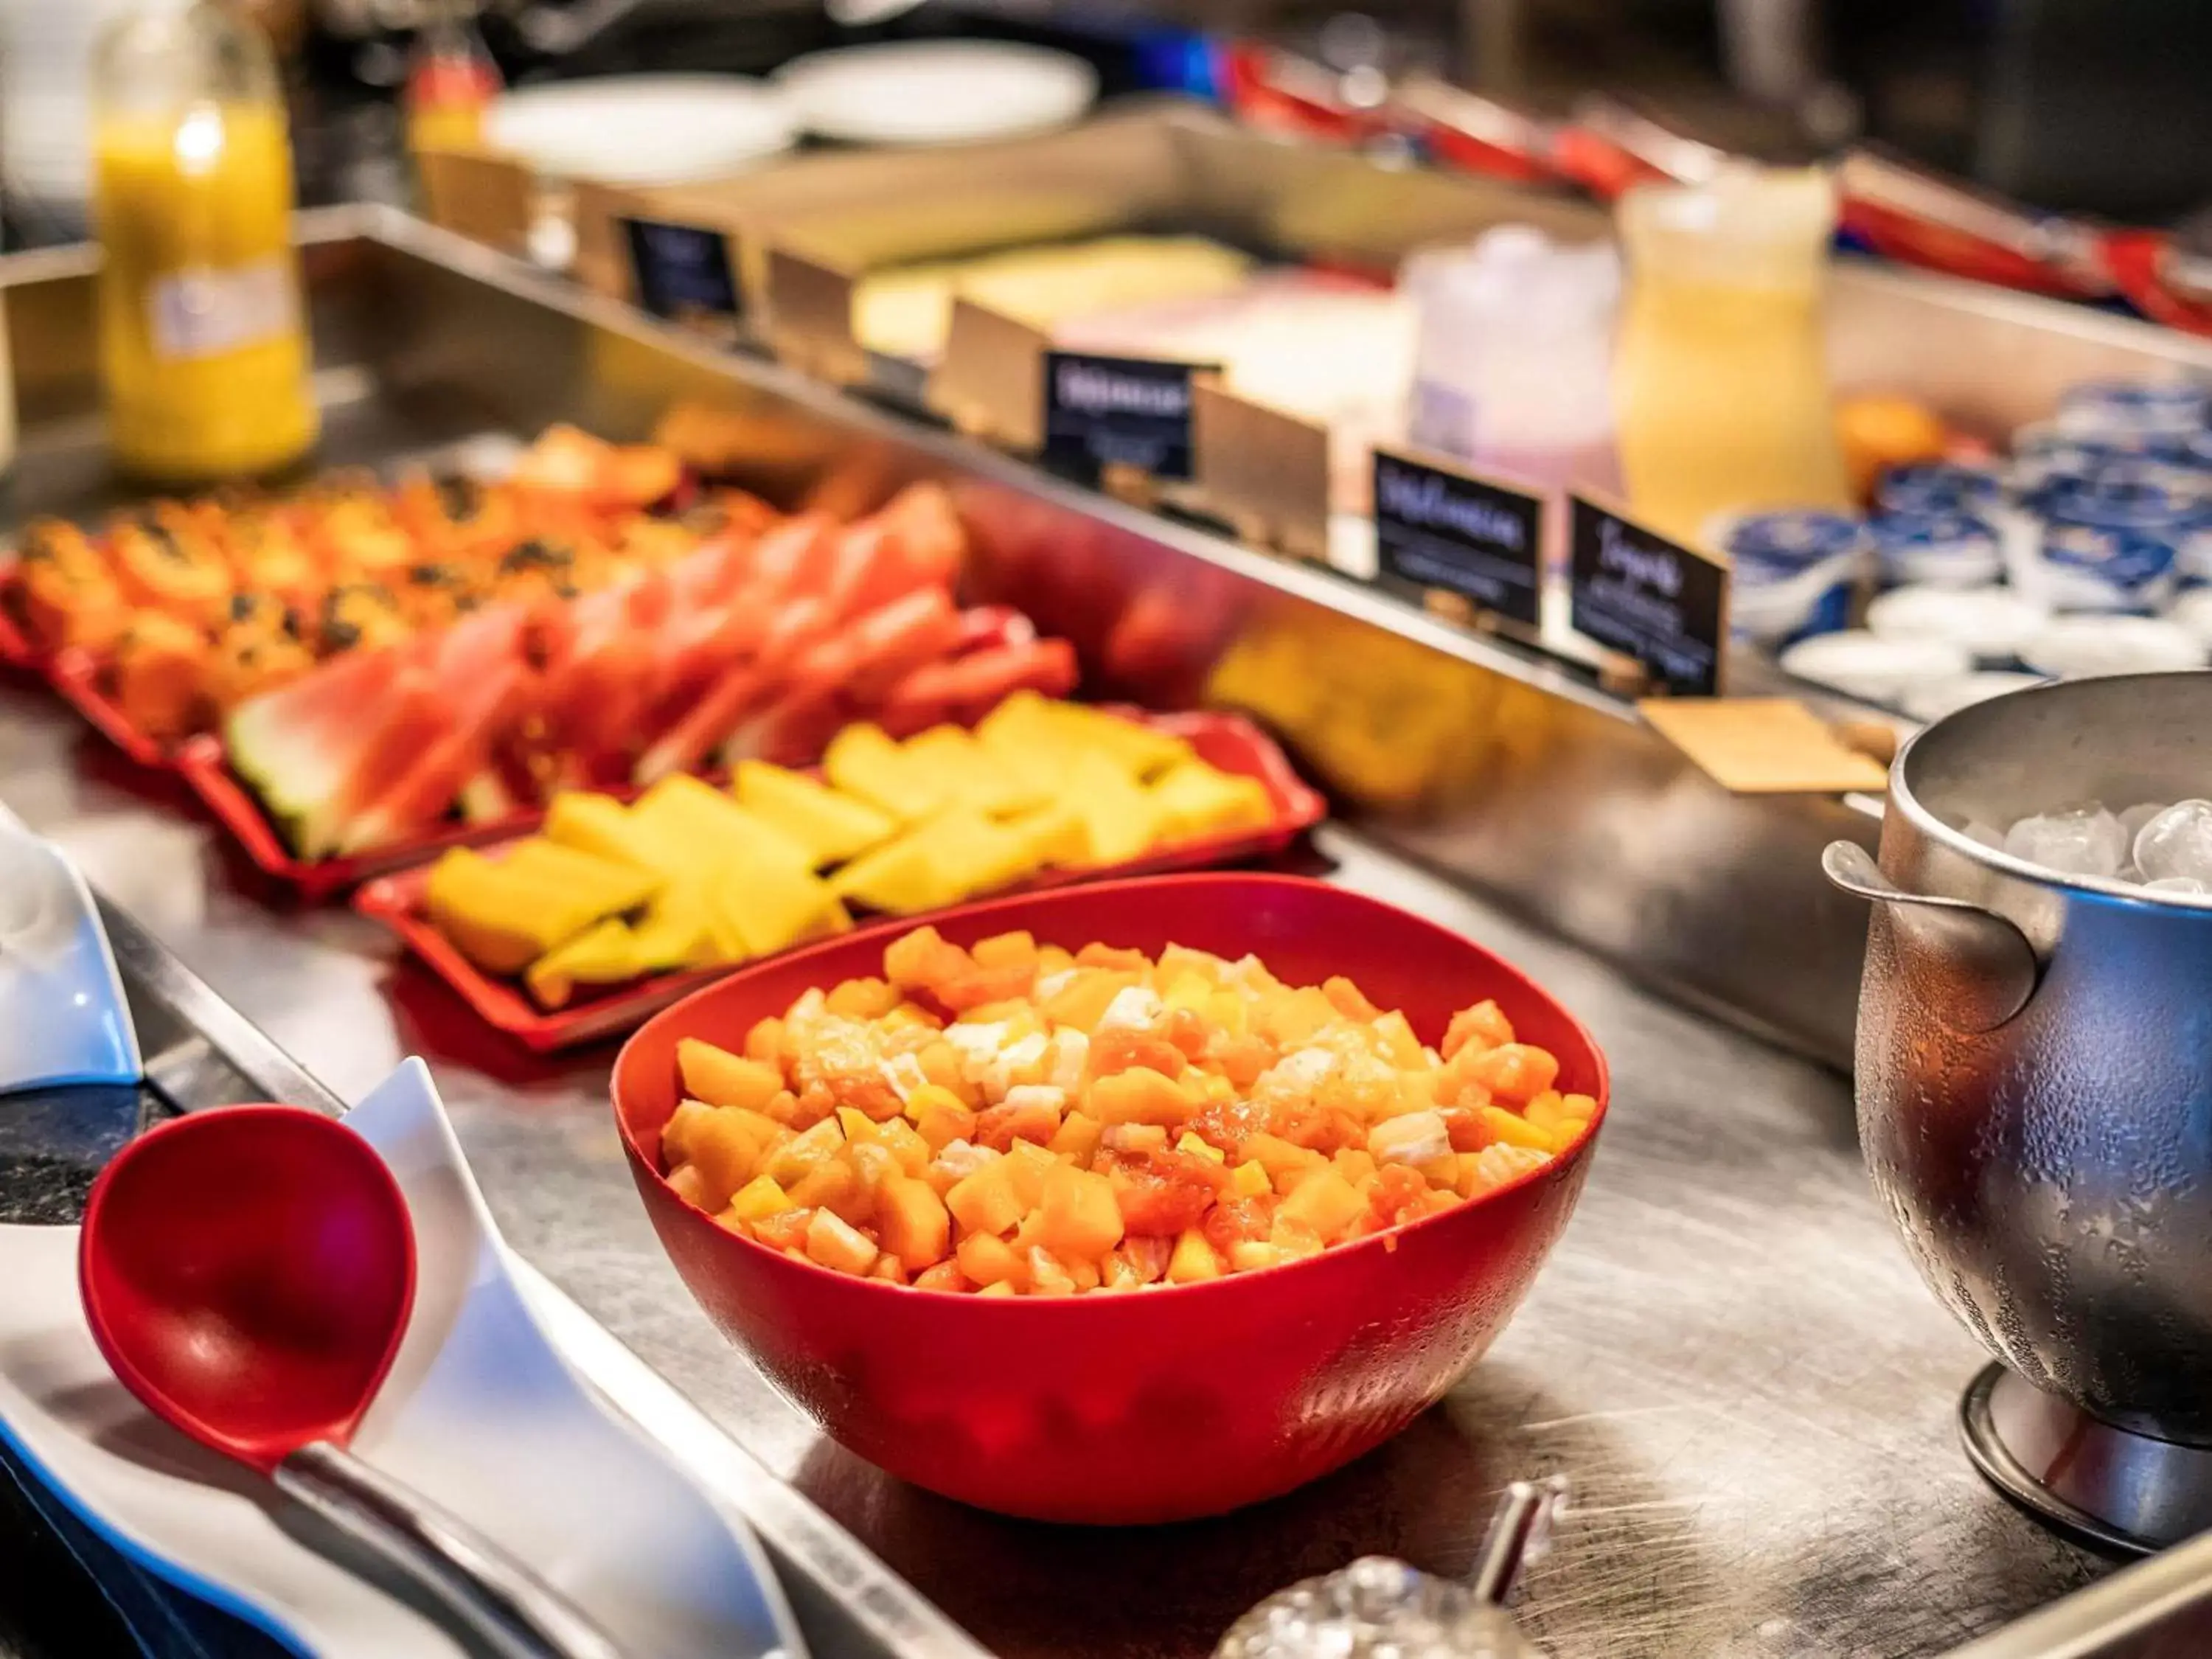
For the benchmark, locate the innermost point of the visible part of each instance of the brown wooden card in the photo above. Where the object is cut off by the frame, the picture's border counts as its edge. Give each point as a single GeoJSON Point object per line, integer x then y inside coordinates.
{"type": "Point", "coordinates": [1763, 745]}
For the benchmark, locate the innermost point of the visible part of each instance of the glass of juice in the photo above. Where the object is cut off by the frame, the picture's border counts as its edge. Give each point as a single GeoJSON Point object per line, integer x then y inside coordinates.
{"type": "Point", "coordinates": [203, 347]}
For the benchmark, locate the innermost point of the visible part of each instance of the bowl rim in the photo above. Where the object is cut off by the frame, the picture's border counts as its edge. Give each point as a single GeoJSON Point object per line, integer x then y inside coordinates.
{"type": "Point", "coordinates": [1561, 1164]}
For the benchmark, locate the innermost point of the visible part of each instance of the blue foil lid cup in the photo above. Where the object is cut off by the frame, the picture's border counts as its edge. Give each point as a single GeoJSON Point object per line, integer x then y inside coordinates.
{"type": "Point", "coordinates": [1786, 543]}
{"type": "Point", "coordinates": [1936, 487]}
{"type": "Point", "coordinates": [2119, 406]}
{"type": "Point", "coordinates": [2130, 497]}
{"type": "Point", "coordinates": [2094, 568]}
{"type": "Point", "coordinates": [1951, 548]}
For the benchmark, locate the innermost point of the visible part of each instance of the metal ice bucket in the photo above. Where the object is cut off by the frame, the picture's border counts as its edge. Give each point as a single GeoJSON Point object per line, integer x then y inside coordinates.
{"type": "Point", "coordinates": [2034, 1077]}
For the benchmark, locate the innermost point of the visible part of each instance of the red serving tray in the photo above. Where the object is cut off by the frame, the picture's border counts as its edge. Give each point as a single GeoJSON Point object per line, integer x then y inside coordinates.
{"type": "Point", "coordinates": [1229, 742]}
{"type": "Point", "coordinates": [200, 760]}
{"type": "Point", "coordinates": [75, 675]}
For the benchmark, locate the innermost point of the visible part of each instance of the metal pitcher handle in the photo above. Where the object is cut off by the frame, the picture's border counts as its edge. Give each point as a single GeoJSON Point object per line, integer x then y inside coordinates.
{"type": "Point", "coordinates": [1993, 964]}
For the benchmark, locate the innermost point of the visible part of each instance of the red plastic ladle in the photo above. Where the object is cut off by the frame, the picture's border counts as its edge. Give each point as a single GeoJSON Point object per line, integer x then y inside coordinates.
{"type": "Point", "coordinates": [248, 1272]}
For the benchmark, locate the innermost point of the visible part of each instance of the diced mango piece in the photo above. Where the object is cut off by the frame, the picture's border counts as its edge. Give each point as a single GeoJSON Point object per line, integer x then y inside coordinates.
{"type": "Point", "coordinates": [611, 886]}
{"type": "Point", "coordinates": [1137, 751]}
{"type": "Point", "coordinates": [602, 826]}
{"type": "Point", "coordinates": [898, 878]}
{"type": "Point", "coordinates": [1251, 1254]}
{"type": "Point", "coordinates": [722, 1079]}
{"type": "Point", "coordinates": [497, 920]}
{"type": "Point", "coordinates": [1076, 1137]}
{"type": "Point", "coordinates": [1187, 1142]}
{"type": "Point", "coordinates": [677, 931]}
{"type": "Point", "coordinates": [1513, 1129]}
{"type": "Point", "coordinates": [726, 1149]}
{"type": "Point", "coordinates": [806, 1152]}
{"type": "Point", "coordinates": [772, 908]}
{"type": "Point", "coordinates": [758, 1200]}
{"type": "Point", "coordinates": [865, 763]}
{"type": "Point", "coordinates": [1326, 1202]}
{"type": "Point", "coordinates": [1249, 1180]}
{"type": "Point", "coordinates": [913, 1223]}
{"type": "Point", "coordinates": [968, 774]}
{"type": "Point", "coordinates": [711, 831]}
{"type": "Point", "coordinates": [1193, 1259]}
{"type": "Point", "coordinates": [831, 825]}
{"type": "Point", "coordinates": [837, 1244]}
{"type": "Point", "coordinates": [1119, 821]}
{"type": "Point", "coordinates": [1191, 800]}
{"type": "Point", "coordinates": [676, 1133]}
{"type": "Point", "coordinates": [604, 953]}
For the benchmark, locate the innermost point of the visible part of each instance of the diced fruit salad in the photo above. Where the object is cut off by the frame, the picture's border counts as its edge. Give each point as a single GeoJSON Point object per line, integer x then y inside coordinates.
{"type": "Point", "coordinates": [1020, 1121]}
{"type": "Point", "coordinates": [691, 876]}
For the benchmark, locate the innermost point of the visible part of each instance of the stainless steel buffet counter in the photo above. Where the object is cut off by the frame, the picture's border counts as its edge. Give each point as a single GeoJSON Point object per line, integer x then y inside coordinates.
{"type": "Point", "coordinates": [1729, 1354]}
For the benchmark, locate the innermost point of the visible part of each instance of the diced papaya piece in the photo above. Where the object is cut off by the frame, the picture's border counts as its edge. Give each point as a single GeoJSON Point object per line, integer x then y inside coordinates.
{"type": "Point", "coordinates": [807, 1150]}
{"type": "Point", "coordinates": [722, 1079]}
{"type": "Point", "coordinates": [988, 1260]}
{"type": "Point", "coordinates": [1512, 1129]}
{"type": "Point", "coordinates": [985, 1202]}
{"type": "Point", "coordinates": [1077, 1137]}
{"type": "Point", "coordinates": [726, 1150]}
{"type": "Point", "coordinates": [1141, 1095]}
{"type": "Point", "coordinates": [1081, 1220]}
{"type": "Point", "coordinates": [913, 1223]}
{"type": "Point", "coordinates": [1082, 1000]}
{"type": "Point", "coordinates": [1514, 1071]}
{"type": "Point", "coordinates": [1485, 1025]}
{"type": "Point", "coordinates": [676, 1133]}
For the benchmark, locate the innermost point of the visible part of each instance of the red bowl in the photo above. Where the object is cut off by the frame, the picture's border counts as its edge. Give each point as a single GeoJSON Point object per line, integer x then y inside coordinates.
{"type": "Point", "coordinates": [1170, 1403]}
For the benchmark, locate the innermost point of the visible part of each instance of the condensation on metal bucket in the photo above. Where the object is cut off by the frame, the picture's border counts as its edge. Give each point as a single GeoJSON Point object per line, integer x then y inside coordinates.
{"type": "Point", "coordinates": [67, 1020]}
{"type": "Point", "coordinates": [1379, 1608]}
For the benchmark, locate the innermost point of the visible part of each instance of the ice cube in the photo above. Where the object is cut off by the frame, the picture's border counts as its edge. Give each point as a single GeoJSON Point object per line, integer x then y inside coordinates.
{"type": "Point", "coordinates": [1988, 834]}
{"type": "Point", "coordinates": [2134, 817]}
{"type": "Point", "coordinates": [2075, 840]}
{"type": "Point", "coordinates": [2188, 885]}
{"type": "Point", "coordinates": [2177, 842]}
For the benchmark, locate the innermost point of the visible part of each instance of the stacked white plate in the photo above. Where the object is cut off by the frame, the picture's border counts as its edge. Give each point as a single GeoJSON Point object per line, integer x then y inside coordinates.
{"type": "Point", "coordinates": [643, 129]}
{"type": "Point", "coordinates": [936, 92]}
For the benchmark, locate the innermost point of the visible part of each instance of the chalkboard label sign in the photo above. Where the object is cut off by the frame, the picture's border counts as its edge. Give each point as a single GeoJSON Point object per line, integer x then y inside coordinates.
{"type": "Point", "coordinates": [685, 273]}
{"type": "Point", "coordinates": [1635, 592]}
{"type": "Point", "coordinates": [1436, 526]}
{"type": "Point", "coordinates": [1118, 411]}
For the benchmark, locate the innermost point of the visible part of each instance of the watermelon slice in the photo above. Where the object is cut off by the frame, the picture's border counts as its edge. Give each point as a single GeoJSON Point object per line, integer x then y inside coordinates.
{"type": "Point", "coordinates": [319, 748]}
{"type": "Point", "coordinates": [482, 683]}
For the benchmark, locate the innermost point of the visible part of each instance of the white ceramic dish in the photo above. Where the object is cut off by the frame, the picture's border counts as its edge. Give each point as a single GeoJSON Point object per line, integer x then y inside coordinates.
{"type": "Point", "coordinates": [643, 129]}
{"type": "Point", "coordinates": [480, 1412]}
{"type": "Point", "coordinates": [1862, 665]}
{"type": "Point", "coordinates": [64, 1018]}
{"type": "Point", "coordinates": [936, 92]}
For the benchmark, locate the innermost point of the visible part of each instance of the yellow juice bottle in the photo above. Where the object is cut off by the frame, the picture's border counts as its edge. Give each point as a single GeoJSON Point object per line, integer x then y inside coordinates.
{"type": "Point", "coordinates": [203, 340]}
{"type": "Point", "coordinates": [1720, 374]}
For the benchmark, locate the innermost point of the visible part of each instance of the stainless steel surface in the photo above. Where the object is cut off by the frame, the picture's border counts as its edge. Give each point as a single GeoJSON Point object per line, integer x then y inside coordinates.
{"type": "Point", "coordinates": [2051, 1174]}
{"type": "Point", "coordinates": [2125, 1493]}
{"type": "Point", "coordinates": [1727, 1352]}
{"type": "Point", "coordinates": [512, 1610]}
{"type": "Point", "coordinates": [1988, 968]}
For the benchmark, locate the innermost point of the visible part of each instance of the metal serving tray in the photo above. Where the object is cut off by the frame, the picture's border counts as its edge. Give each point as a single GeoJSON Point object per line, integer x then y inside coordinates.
{"type": "Point", "coordinates": [1729, 1354]}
